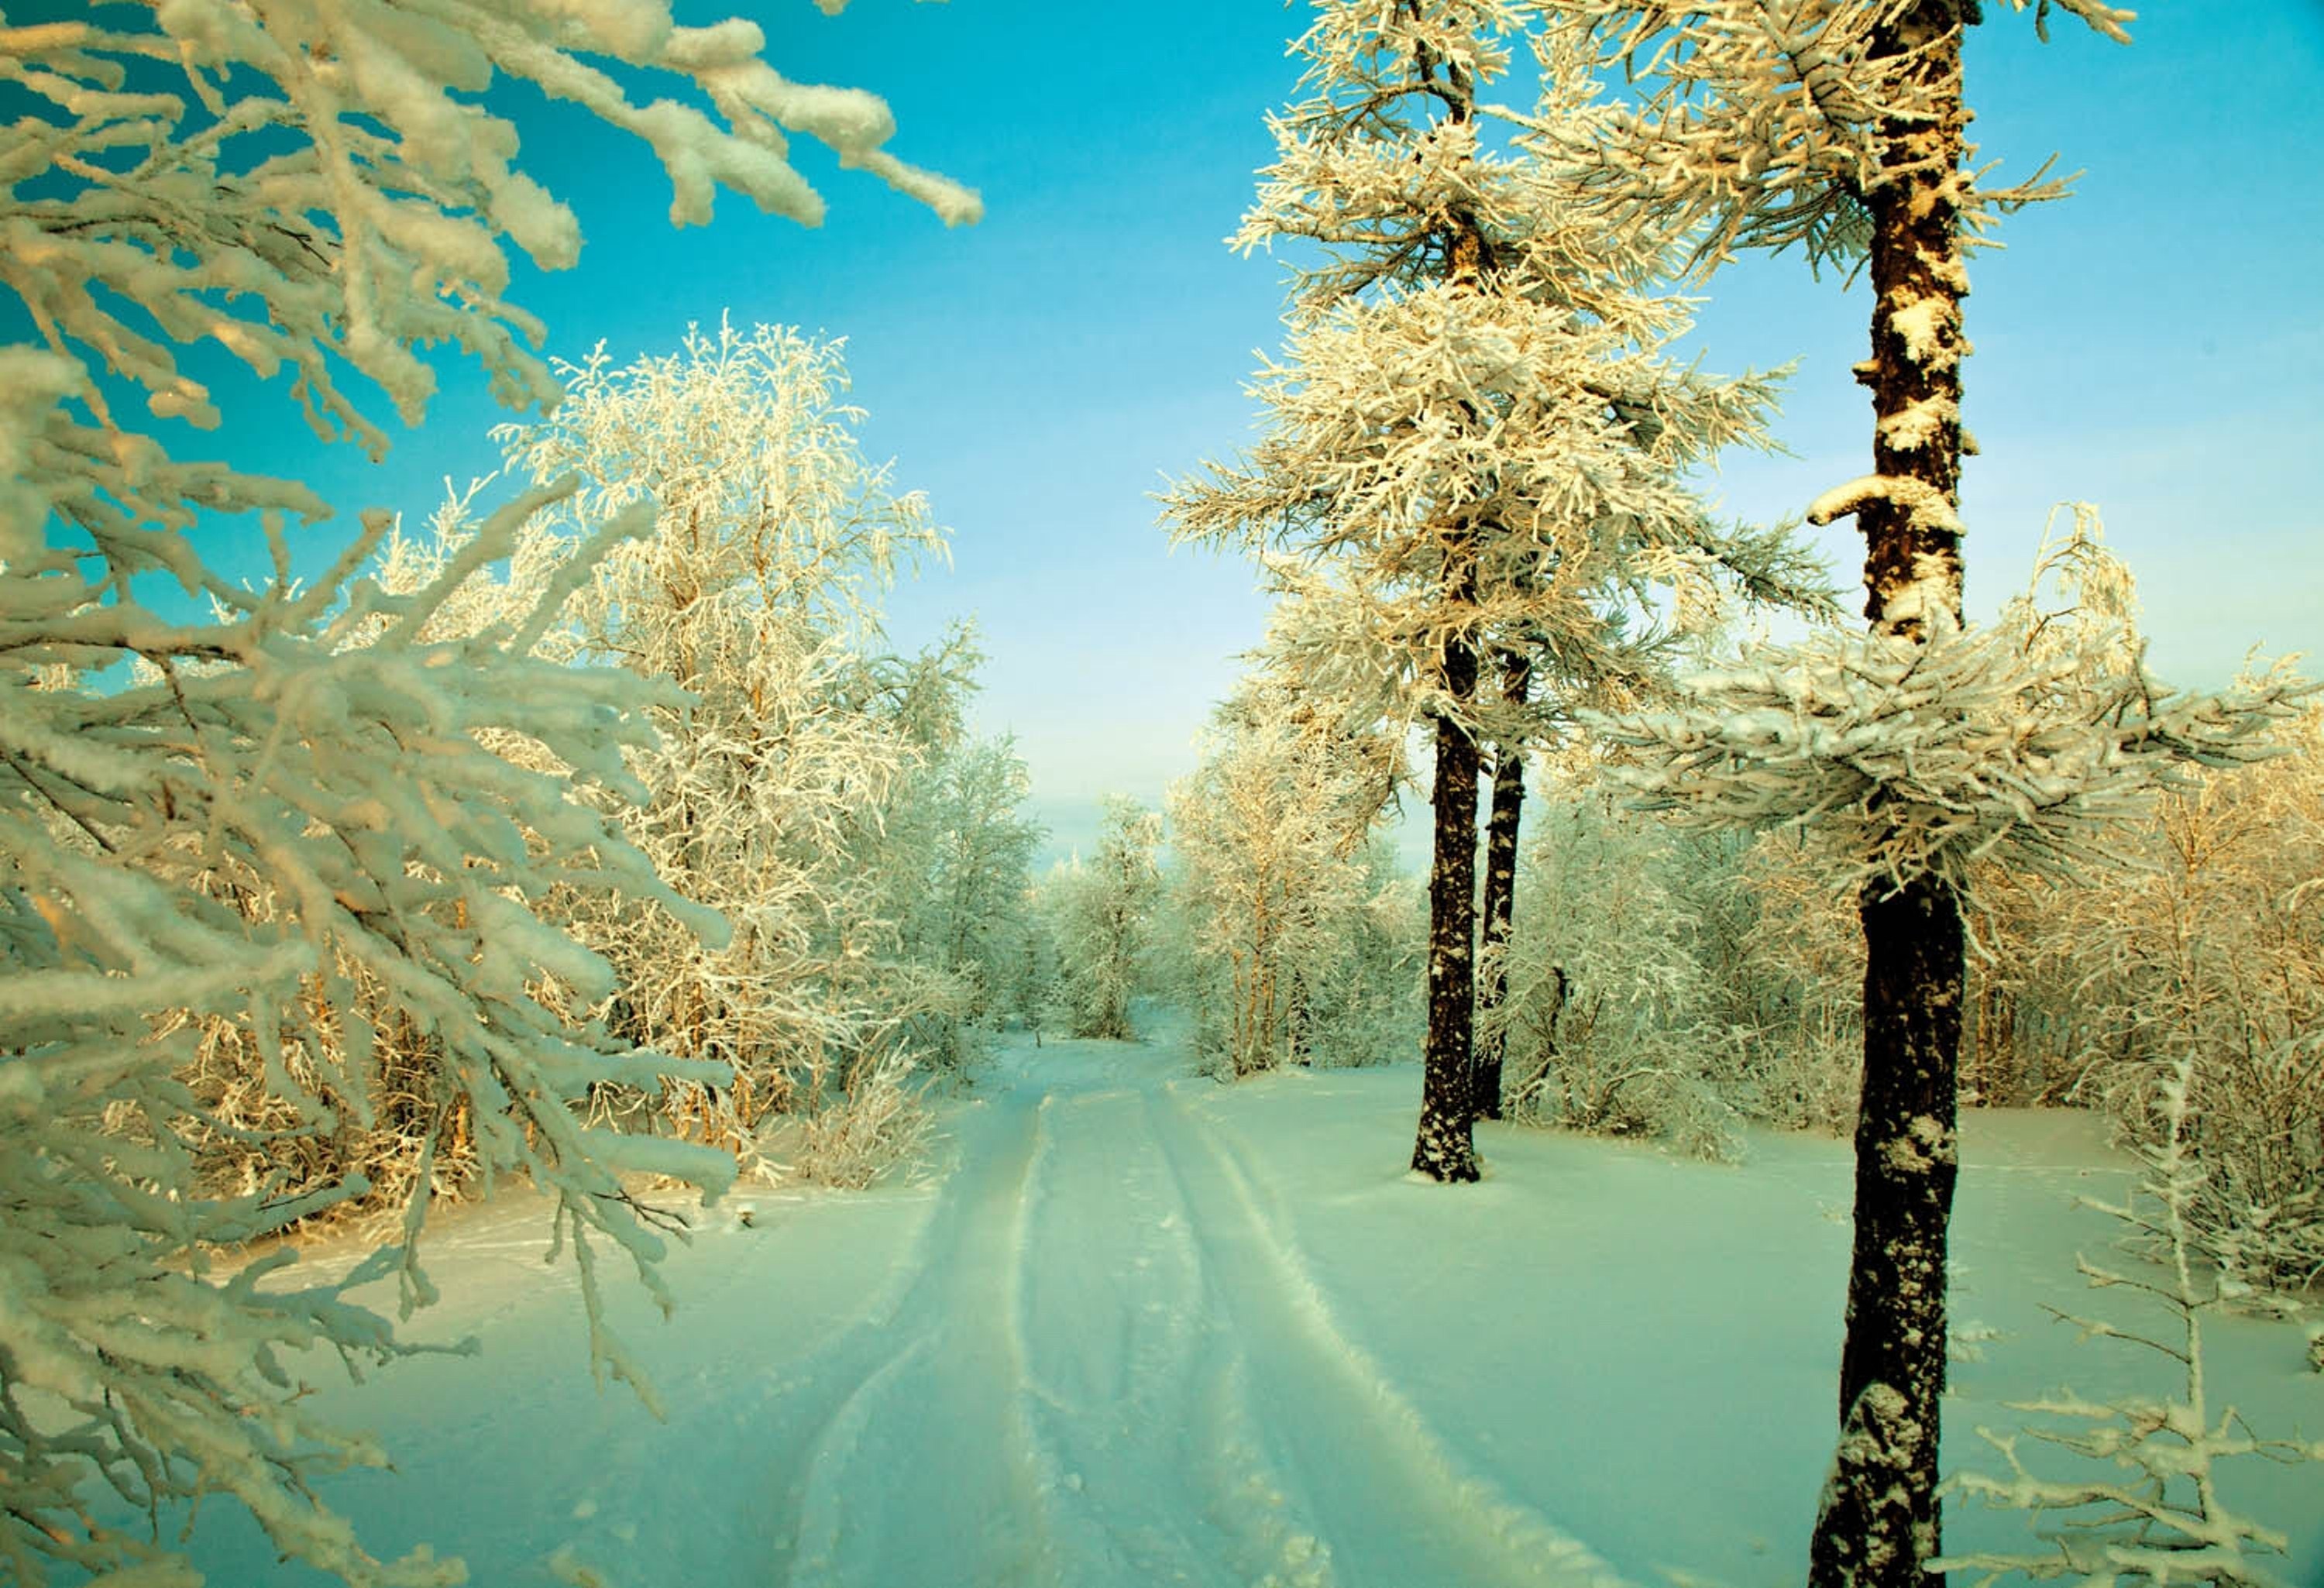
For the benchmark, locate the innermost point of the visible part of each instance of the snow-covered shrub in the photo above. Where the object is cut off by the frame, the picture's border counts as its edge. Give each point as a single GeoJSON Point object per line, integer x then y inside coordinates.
{"type": "Point", "coordinates": [1791, 990]}
{"type": "Point", "coordinates": [1606, 1021]}
{"type": "Point", "coordinates": [1672, 983]}
{"type": "Point", "coordinates": [289, 829]}
{"type": "Point", "coordinates": [1100, 917]}
{"type": "Point", "coordinates": [2163, 1521]}
{"type": "Point", "coordinates": [2213, 950]}
{"type": "Point", "coordinates": [878, 1124]}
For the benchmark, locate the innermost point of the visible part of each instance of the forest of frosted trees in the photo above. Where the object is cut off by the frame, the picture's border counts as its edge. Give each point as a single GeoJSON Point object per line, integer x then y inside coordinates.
{"type": "Point", "coordinates": [584, 832]}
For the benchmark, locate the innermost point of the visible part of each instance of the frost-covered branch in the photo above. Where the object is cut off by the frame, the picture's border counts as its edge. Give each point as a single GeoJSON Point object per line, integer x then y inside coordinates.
{"type": "Point", "coordinates": [1769, 124]}
{"type": "Point", "coordinates": [279, 875]}
{"type": "Point", "coordinates": [2023, 742]}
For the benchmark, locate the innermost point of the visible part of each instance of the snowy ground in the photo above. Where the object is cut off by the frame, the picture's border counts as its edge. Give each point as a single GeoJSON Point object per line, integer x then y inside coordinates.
{"type": "Point", "coordinates": [1143, 1329]}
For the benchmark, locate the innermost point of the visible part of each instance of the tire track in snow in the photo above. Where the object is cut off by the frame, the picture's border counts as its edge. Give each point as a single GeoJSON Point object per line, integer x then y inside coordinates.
{"type": "Point", "coordinates": [903, 1455]}
{"type": "Point", "coordinates": [1137, 1383]}
{"type": "Point", "coordinates": [1394, 1506]}
{"type": "Point", "coordinates": [1106, 1365]}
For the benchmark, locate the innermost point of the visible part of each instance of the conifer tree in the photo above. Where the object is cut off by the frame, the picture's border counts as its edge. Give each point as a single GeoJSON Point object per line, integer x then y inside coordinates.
{"type": "Point", "coordinates": [1839, 126]}
{"type": "Point", "coordinates": [1474, 440]}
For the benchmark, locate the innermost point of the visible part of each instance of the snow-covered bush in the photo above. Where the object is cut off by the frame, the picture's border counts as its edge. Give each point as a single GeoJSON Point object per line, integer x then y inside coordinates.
{"type": "Point", "coordinates": [1789, 984]}
{"type": "Point", "coordinates": [1100, 920]}
{"type": "Point", "coordinates": [1606, 1017]}
{"type": "Point", "coordinates": [878, 1125]}
{"type": "Point", "coordinates": [1672, 983]}
{"type": "Point", "coordinates": [2213, 950]}
{"type": "Point", "coordinates": [287, 828]}
{"type": "Point", "coordinates": [2164, 1521]}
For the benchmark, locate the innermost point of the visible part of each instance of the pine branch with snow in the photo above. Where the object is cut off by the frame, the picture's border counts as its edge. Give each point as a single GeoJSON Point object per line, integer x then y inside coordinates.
{"type": "Point", "coordinates": [2026, 742]}
{"type": "Point", "coordinates": [1770, 124]}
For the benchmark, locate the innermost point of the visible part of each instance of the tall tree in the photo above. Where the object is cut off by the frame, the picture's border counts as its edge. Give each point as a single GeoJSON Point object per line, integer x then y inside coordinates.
{"type": "Point", "coordinates": [325, 190]}
{"type": "Point", "coordinates": [1473, 436]}
{"type": "Point", "coordinates": [1839, 126]}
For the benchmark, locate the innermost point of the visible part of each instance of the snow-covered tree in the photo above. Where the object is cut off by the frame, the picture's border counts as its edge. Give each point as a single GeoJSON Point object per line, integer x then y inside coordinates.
{"type": "Point", "coordinates": [1028, 985]}
{"type": "Point", "coordinates": [1101, 915]}
{"type": "Point", "coordinates": [956, 863]}
{"type": "Point", "coordinates": [1839, 126]}
{"type": "Point", "coordinates": [757, 594]}
{"type": "Point", "coordinates": [320, 191]}
{"type": "Point", "coordinates": [1277, 872]}
{"type": "Point", "coordinates": [2210, 949]}
{"type": "Point", "coordinates": [1909, 762]}
{"type": "Point", "coordinates": [1476, 447]}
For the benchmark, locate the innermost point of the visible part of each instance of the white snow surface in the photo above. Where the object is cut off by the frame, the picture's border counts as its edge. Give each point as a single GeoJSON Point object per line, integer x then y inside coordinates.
{"type": "Point", "coordinates": [1141, 1328]}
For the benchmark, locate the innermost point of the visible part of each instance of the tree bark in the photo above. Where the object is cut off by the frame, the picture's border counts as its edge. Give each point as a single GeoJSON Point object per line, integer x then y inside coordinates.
{"type": "Point", "coordinates": [1879, 1521]}
{"type": "Point", "coordinates": [1446, 1149]}
{"type": "Point", "coordinates": [1501, 833]}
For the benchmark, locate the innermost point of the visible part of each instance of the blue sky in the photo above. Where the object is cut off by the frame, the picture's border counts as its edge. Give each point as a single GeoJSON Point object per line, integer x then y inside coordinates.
{"type": "Point", "coordinates": [2152, 344]}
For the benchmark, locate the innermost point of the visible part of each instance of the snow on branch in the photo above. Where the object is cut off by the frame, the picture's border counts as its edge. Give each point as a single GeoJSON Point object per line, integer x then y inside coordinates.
{"type": "Point", "coordinates": [315, 836]}
{"type": "Point", "coordinates": [1768, 123]}
{"type": "Point", "coordinates": [2021, 741]}
{"type": "Point", "coordinates": [297, 831]}
{"type": "Point", "coordinates": [313, 186]}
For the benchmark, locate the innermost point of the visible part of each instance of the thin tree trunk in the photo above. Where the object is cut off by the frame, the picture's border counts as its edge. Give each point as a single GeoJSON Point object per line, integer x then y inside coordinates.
{"type": "Point", "coordinates": [1879, 1520]}
{"type": "Point", "coordinates": [1501, 885]}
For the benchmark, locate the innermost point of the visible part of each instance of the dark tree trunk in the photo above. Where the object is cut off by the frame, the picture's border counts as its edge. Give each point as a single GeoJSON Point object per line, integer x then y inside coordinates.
{"type": "Point", "coordinates": [1879, 1520]}
{"type": "Point", "coordinates": [1500, 886]}
{"type": "Point", "coordinates": [1445, 1149]}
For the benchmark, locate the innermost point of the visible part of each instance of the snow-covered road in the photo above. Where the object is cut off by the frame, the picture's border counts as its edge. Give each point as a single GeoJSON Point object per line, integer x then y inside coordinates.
{"type": "Point", "coordinates": [1108, 1369]}
{"type": "Point", "coordinates": [1139, 1329]}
